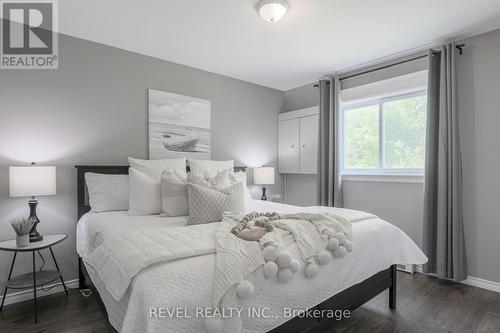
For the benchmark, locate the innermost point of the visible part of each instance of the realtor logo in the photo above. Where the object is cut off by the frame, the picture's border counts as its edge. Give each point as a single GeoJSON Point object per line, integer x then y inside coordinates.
{"type": "Point", "coordinates": [28, 40]}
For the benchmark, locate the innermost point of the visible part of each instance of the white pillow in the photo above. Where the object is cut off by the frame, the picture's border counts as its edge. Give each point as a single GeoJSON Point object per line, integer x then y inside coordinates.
{"type": "Point", "coordinates": [221, 180]}
{"type": "Point", "coordinates": [241, 176]}
{"type": "Point", "coordinates": [146, 173]}
{"type": "Point", "coordinates": [199, 167]}
{"type": "Point", "coordinates": [174, 190]}
{"type": "Point", "coordinates": [154, 168]}
{"type": "Point", "coordinates": [107, 192]}
{"type": "Point", "coordinates": [144, 194]}
{"type": "Point", "coordinates": [174, 195]}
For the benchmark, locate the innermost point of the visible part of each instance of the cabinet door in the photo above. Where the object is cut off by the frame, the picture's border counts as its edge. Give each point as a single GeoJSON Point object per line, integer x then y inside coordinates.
{"type": "Point", "coordinates": [309, 127]}
{"type": "Point", "coordinates": [288, 145]}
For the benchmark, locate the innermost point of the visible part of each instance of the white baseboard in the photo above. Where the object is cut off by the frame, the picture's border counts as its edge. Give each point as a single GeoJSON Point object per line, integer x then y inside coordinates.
{"type": "Point", "coordinates": [481, 283]}
{"type": "Point", "coordinates": [407, 268]}
{"type": "Point", "coordinates": [27, 294]}
{"type": "Point", "coordinates": [473, 281]}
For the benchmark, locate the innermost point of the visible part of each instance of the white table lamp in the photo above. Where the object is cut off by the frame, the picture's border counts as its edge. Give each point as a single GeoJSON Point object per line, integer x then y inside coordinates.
{"type": "Point", "coordinates": [32, 181]}
{"type": "Point", "coordinates": [263, 176]}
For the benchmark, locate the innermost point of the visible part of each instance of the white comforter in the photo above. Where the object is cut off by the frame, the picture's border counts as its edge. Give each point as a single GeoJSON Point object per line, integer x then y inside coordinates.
{"type": "Point", "coordinates": [186, 284]}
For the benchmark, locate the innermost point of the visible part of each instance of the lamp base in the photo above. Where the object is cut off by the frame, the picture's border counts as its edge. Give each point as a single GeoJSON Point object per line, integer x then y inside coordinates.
{"type": "Point", "coordinates": [264, 197]}
{"type": "Point", "coordinates": [35, 237]}
{"type": "Point", "coordinates": [34, 234]}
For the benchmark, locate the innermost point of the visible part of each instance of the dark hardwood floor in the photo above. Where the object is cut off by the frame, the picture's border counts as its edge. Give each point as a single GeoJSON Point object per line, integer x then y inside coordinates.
{"type": "Point", "coordinates": [425, 304]}
{"type": "Point", "coordinates": [57, 313]}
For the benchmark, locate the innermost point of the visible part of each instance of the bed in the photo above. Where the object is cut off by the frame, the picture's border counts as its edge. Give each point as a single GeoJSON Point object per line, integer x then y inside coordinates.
{"type": "Point", "coordinates": [185, 284]}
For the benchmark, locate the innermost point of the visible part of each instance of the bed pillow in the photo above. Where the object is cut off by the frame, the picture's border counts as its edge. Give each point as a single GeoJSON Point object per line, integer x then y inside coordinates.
{"type": "Point", "coordinates": [174, 191]}
{"type": "Point", "coordinates": [174, 194]}
{"type": "Point", "coordinates": [107, 192]}
{"type": "Point", "coordinates": [144, 194]}
{"type": "Point", "coordinates": [219, 181]}
{"type": "Point", "coordinates": [199, 167]}
{"type": "Point", "coordinates": [154, 168]}
{"type": "Point", "coordinates": [206, 204]}
{"type": "Point", "coordinates": [241, 176]}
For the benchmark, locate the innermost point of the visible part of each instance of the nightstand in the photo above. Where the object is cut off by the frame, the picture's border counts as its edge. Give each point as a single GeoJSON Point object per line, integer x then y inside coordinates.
{"type": "Point", "coordinates": [36, 278]}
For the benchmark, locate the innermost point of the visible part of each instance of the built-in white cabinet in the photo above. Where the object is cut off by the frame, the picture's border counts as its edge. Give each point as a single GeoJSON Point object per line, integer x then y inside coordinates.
{"type": "Point", "coordinates": [288, 146]}
{"type": "Point", "coordinates": [308, 144]}
{"type": "Point", "coordinates": [298, 141]}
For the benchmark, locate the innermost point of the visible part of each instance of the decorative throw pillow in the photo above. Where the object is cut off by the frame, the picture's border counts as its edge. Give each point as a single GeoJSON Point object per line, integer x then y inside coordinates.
{"type": "Point", "coordinates": [220, 181]}
{"type": "Point", "coordinates": [199, 167]}
{"type": "Point", "coordinates": [174, 193]}
{"type": "Point", "coordinates": [206, 204]}
{"type": "Point", "coordinates": [144, 194]}
{"type": "Point", "coordinates": [241, 176]}
{"type": "Point", "coordinates": [154, 168]}
{"type": "Point", "coordinates": [146, 183]}
{"type": "Point", "coordinates": [107, 192]}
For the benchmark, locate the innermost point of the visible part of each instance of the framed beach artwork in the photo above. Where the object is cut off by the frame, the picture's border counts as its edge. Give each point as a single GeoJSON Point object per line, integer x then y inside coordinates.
{"type": "Point", "coordinates": [178, 126]}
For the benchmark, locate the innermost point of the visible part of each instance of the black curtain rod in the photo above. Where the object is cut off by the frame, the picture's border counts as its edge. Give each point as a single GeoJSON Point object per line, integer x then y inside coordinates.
{"type": "Point", "coordinates": [459, 47]}
{"type": "Point", "coordinates": [380, 68]}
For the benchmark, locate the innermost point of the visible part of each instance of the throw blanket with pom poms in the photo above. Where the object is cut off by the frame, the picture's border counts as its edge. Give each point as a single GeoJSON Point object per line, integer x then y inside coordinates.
{"type": "Point", "coordinates": [318, 238]}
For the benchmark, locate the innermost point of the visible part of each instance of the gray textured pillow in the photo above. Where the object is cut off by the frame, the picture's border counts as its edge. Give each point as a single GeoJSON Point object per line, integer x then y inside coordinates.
{"type": "Point", "coordinates": [206, 205]}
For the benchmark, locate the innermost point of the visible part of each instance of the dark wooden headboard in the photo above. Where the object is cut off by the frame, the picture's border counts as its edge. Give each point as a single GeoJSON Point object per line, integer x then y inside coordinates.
{"type": "Point", "coordinates": [83, 206]}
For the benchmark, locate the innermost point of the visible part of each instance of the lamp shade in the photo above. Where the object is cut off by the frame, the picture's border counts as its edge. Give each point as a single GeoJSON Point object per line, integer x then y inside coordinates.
{"type": "Point", "coordinates": [31, 181]}
{"type": "Point", "coordinates": [263, 176]}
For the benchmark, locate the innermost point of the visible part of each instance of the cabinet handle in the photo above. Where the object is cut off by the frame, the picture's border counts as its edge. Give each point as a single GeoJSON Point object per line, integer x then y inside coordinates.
{"type": "Point", "coordinates": [303, 146]}
{"type": "Point", "coordinates": [292, 146]}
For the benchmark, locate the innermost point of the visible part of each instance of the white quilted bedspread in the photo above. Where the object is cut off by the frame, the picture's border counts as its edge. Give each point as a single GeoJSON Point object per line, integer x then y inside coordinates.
{"type": "Point", "coordinates": [124, 254]}
{"type": "Point", "coordinates": [186, 284]}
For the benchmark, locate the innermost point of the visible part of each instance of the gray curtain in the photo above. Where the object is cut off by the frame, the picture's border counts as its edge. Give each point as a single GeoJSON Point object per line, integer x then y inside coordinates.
{"type": "Point", "coordinates": [443, 219]}
{"type": "Point", "coordinates": [329, 183]}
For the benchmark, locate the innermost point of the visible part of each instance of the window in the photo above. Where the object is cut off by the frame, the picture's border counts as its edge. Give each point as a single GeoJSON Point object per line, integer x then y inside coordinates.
{"type": "Point", "coordinates": [385, 135]}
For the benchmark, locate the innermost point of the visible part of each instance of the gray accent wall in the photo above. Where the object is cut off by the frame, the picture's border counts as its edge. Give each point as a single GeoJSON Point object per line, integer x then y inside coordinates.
{"type": "Point", "coordinates": [300, 98]}
{"type": "Point", "coordinates": [93, 110]}
{"type": "Point", "coordinates": [478, 72]}
{"type": "Point", "coordinates": [398, 203]}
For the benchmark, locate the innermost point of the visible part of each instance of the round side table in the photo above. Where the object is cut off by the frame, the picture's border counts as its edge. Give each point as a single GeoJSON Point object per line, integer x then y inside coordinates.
{"type": "Point", "coordinates": [36, 278]}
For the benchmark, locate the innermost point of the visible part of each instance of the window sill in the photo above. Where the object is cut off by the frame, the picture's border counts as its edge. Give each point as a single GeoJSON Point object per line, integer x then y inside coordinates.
{"type": "Point", "coordinates": [384, 178]}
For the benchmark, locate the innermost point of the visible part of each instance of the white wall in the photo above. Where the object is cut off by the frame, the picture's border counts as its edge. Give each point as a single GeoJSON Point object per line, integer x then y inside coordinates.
{"type": "Point", "coordinates": [93, 110]}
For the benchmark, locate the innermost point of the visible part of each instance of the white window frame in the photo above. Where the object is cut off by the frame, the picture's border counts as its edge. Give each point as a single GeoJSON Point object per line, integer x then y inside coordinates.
{"type": "Point", "coordinates": [386, 174]}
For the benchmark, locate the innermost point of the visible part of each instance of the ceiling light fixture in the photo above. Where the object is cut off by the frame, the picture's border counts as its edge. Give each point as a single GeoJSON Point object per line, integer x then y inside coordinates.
{"type": "Point", "coordinates": [272, 10]}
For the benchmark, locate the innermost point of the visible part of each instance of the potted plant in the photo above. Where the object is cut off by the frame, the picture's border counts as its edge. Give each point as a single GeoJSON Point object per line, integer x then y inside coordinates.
{"type": "Point", "coordinates": [22, 227]}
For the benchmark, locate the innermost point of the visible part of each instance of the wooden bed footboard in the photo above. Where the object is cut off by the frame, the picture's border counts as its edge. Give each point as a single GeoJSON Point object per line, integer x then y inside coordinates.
{"type": "Point", "coordinates": [348, 299]}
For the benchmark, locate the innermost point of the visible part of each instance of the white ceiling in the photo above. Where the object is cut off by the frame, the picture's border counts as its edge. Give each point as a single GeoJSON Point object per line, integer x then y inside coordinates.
{"type": "Point", "coordinates": [316, 37]}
